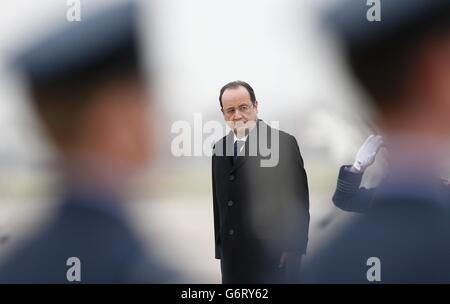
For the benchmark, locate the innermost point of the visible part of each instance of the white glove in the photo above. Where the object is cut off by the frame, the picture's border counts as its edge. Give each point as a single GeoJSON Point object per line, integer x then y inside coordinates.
{"type": "Point", "coordinates": [367, 153]}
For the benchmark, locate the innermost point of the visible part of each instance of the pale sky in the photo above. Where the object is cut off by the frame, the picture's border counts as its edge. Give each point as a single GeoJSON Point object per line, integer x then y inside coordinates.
{"type": "Point", "coordinates": [199, 45]}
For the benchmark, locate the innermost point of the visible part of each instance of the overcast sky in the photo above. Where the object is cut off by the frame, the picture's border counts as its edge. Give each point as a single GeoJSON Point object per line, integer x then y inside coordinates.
{"type": "Point", "coordinates": [199, 45]}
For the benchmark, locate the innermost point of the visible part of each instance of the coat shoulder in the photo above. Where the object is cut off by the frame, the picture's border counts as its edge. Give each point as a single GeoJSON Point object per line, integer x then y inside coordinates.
{"type": "Point", "coordinates": [220, 141]}
{"type": "Point", "coordinates": [217, 144]}
{"type": "Point", "coordinates": [282, 134]}
{"type": "Point", "coordinates": [286, 138]}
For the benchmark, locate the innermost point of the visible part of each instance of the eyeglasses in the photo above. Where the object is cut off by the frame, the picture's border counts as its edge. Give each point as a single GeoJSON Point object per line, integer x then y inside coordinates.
{"type": "Point", "coordinates": [244, 109]}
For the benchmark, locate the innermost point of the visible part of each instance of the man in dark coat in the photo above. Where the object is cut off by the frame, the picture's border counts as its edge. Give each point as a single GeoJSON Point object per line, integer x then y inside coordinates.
{"type": "Point", "coordinates": [403, 64]}
{"type": "Point", "coordinates": [88, 90]}
{"type": "Point", "coordinates": [260, 196]}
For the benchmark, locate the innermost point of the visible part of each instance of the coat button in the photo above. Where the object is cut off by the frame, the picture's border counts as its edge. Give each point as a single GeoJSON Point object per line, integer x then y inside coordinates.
{"type": "Point", "coordinates": [230, 203]}
{"type": "Point", "coordinates": [231, 178]}
{"type": "Point", "coordinates": [231, 232]}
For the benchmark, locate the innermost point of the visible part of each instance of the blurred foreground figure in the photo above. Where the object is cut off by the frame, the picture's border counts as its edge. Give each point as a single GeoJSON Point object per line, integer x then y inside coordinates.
{"type": "Point", "coordinates": [89, 93]}
{"type": "Point", "coordinates": [403, 62]}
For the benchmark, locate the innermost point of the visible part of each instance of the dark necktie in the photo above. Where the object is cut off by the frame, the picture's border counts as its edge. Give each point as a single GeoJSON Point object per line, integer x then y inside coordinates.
{"type": "Point", "coordinates": [237, 148]}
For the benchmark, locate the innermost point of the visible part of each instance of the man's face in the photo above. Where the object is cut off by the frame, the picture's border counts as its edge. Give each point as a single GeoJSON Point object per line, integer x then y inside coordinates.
{"type": "Point", "coordinates": [117, 125]}
{"type": "Point", "coordinates": [238, 110]}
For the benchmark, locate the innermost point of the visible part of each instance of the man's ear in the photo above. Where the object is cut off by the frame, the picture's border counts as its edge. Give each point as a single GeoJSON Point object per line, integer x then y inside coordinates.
{"type": "Point", "coordinates": [256, 106]}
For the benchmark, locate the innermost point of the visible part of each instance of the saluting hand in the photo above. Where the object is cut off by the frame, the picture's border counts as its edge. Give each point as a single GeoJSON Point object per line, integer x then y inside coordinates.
{"type": "Point", "coordinates": [367, 153]}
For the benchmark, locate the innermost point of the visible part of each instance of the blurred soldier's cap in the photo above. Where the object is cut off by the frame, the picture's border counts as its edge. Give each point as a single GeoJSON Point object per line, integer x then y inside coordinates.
{"type": "Point", "coordinates": [399, 19]}
{"type": "Point", "coordinates": [85, 50]}
{"type": "Point", "coordinates": [380, 53]}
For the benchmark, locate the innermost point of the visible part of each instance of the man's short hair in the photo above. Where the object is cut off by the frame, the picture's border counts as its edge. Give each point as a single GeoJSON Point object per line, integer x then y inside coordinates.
{"type": "Point", "coordinates": [236, 84]}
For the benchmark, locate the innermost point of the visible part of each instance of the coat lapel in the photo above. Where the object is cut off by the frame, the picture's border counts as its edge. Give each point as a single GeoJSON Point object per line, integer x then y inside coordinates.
{"type": "Point", "coordinates": [224, 152]}
{"type": "Point", "coordinates": [241, 159]}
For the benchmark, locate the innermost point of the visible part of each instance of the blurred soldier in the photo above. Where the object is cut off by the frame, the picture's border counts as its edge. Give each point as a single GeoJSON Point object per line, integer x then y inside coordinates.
{"type": "Point", "coordinates": [89, 92]}
{"type": "Point", "coordinates": [403, 62]}
{"type": "Point", "coordinates": [261, 212]}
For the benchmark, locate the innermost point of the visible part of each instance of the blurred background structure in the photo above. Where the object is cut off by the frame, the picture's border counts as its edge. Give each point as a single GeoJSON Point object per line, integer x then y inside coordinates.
{"type": "Point", "coordinates": [194, 47]}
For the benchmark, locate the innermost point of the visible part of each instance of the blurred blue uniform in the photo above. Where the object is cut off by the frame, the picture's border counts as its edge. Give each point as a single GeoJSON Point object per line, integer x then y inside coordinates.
{"type": "Point", "coordinates": [91, 227]}
{"type": "Point", "coordinates": [349, 196]}
{"type": "Point", "coordinates": [407, 230]}
{"type": "Point", "coordinates": [89, 224]}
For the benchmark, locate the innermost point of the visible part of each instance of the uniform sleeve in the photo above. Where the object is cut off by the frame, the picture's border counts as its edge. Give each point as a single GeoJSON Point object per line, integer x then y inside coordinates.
{"type": "Point", "coordinates": [349, 196]}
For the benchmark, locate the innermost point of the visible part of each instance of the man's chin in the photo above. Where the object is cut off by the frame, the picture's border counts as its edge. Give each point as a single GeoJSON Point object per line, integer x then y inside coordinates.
{"type": "Point", "coordinates": [240, 129]}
